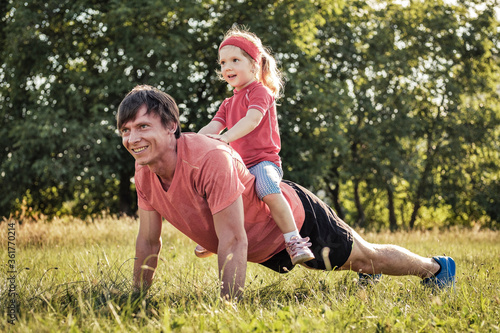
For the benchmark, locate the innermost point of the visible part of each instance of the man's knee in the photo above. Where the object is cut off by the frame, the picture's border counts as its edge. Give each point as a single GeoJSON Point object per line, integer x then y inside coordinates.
{"type": "Point", "coordinates": [362, 257]}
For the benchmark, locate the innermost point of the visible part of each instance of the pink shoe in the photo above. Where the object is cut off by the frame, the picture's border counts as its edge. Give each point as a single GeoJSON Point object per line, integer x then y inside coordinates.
{"type": "Point", "coordinates": [298, 249]}
{"type": "Point", "coordinates": [201, 252]}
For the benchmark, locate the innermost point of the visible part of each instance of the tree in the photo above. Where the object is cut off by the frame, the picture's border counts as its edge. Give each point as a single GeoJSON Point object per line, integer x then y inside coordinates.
{"type": "Point", "coordinates": [416, 94]}
{"type": "Point", "coordinates": [67, 65]}
{"type": "Point", "coordinates": [390, 107]}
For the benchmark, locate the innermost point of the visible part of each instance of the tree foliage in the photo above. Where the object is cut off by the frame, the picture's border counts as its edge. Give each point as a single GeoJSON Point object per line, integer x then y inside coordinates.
{"type": "Point", "coordinates": [390, 110]}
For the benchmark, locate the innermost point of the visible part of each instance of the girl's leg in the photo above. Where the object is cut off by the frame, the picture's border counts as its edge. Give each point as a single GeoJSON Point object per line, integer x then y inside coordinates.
{"type": "Point", "coordinates": [281, 212]}
{"type": "Point", "coordinates": [267, 185]}
{"type": "Point", "coordinates": [267, 180]}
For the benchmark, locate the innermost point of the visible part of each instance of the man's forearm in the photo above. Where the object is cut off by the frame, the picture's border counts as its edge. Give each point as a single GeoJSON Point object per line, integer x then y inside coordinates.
{"type": "Point", "coordinates": [232, 249]}
{"type": "Point", "coordinates": [232, 270]}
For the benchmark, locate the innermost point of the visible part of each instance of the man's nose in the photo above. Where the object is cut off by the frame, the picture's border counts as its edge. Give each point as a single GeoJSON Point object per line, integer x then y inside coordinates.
{"type": "Point", "coordinates": [134, 137]}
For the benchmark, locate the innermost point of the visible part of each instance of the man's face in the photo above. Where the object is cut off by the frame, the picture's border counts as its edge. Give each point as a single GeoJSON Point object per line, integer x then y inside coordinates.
{"type": "Point", "coordinates": [146, 138]}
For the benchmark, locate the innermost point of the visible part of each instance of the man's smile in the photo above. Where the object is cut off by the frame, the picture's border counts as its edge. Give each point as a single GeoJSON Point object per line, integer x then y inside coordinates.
{"type": "Point", "coordinates": [139, 150]}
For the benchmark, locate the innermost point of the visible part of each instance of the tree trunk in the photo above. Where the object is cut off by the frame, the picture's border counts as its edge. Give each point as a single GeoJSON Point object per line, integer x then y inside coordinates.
{"type": "Point", "coordinates": [334, 191]}
{"type": "Point", "coordinates": [361, 221]}
{"type": "Point", "coordinates": [393, 224]}
{"type": "Point", "coordinates": [125, 196]}
{"type": "Point", "coordinates": [416, 207]}
{"type": "Point", "coordinates": [424, 183]}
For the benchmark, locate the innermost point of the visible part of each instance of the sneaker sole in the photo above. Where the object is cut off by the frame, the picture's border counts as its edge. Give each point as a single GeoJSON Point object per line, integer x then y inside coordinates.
{"type": "Point", "coordinates": [203, 254]}
{"type": "Point", "coordinates": [442, 282]}
{"type": "Point", "coordinates": [301, 259]}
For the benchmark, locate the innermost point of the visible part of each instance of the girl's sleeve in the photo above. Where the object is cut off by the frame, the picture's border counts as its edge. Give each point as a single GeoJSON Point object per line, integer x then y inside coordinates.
{"type": "Point", "coordinates": [260, 99]}
{"type": "Point", "coordinates": [220, 116]}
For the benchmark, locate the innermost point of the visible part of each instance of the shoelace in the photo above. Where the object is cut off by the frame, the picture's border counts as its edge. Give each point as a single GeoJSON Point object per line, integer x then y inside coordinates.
{"type": "Point", "coordinates": [298, 244]}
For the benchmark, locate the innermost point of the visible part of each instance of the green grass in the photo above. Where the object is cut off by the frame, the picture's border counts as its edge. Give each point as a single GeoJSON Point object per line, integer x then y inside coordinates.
{"type": "Point", "coordinates": [75, 276]}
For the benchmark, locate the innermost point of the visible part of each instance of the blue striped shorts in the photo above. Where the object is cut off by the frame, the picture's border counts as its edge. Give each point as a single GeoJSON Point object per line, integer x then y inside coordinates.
{"type": "Point", "coordinates": [267, 178]}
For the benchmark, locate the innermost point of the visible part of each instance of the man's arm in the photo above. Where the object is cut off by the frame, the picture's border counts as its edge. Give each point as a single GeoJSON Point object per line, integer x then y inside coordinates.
{"type": "Point", "coordinates": [147, 248]}
{"type": "Point", "coordinates": [232, 251]}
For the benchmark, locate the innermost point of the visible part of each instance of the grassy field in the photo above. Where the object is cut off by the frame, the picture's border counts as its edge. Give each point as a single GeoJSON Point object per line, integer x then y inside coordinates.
{"type": "Point", "coordinates": [75, 276]}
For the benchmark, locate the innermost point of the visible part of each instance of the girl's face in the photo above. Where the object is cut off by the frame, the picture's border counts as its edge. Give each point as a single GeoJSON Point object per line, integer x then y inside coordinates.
{"type": "Point", "coordinates": [236, 68]}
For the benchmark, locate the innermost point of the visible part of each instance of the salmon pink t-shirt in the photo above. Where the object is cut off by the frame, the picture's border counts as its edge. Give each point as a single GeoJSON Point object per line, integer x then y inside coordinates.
{"type": "Point", "coordinates": [209, 176]}
{"type": "Point", "coordinates": [263, 143]}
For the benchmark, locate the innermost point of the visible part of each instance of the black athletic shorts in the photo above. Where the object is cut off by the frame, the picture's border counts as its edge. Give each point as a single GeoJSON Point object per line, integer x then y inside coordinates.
{"type": "Point", "coordinates": [326, 231]}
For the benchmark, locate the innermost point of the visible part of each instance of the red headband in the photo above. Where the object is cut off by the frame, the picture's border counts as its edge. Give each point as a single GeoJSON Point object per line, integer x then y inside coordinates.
{"type": "Point", "coordinates": [245, 45]}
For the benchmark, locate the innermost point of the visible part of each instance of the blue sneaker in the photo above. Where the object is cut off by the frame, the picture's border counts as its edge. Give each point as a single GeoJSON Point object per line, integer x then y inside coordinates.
{"type": "Point", "coordinates": [368, 279]}
{"type": "Point", "coordinates": [445, 277]}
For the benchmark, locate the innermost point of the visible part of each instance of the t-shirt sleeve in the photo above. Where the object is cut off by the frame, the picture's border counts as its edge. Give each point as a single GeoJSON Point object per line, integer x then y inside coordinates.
{"type": "Point", "coordinates": [260, 99]}
{"type": "Point", "coordinates": [142, 201]}
{"type": "Point", "coordinates": [218, 180]}
{"type": "Point", "coordinates": [220, 116]}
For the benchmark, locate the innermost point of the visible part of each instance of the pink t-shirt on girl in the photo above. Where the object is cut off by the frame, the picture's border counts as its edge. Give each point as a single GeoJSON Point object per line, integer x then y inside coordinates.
{"type": "Point", "coordinates": [208, 177]}
{"type": "Point", "coordinates": [263, 143]}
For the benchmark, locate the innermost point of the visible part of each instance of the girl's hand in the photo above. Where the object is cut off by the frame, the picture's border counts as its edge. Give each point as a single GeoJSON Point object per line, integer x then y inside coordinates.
{"type": "Point", "coordinates": [218, 137]}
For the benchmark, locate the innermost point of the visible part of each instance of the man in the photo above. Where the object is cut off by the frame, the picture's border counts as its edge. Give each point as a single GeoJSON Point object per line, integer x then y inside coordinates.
{"type": "Point", "coordinates": [201, 186]}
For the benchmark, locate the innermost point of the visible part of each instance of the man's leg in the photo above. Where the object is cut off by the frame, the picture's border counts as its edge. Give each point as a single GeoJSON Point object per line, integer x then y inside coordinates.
{"type": "Point", "coordinates": [387, 259]}
{"type": "Point", "coordinates": [337, 246]}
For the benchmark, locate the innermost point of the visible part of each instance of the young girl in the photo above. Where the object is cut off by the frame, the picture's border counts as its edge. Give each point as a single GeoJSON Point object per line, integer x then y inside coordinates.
{"type": "Point", "coordinates": [251, 120]}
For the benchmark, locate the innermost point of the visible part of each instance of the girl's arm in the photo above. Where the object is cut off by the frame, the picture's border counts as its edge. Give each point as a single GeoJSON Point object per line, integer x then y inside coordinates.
{"type": "Point", "coordinates": [213, 127]}
{"type": "Point", "coordinates": [242, 127]}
